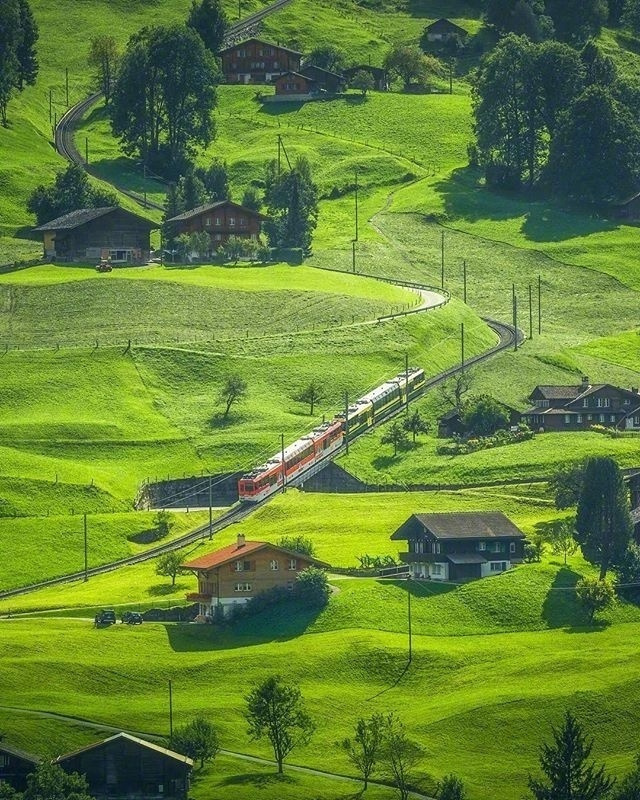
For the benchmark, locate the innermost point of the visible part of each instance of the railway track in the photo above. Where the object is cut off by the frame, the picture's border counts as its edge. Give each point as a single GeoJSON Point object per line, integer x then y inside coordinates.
{"type": "Point", "coordinates": [507, 335]}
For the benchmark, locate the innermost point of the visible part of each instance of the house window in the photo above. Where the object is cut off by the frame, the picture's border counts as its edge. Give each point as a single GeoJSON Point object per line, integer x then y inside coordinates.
{"type": "Point", "coordinates": [598, 402]}
{"type": "Point", "coordinates": [626, 401]}
{"type": "Point", "coordinates": [274, 565]}
{"type": "Point", "coordinates": [589, 417]}
{"type": "Point", "coordinates": [512, 547]}
{"type": "Point", "coordinates": [437, 547]}
{"type": "Point", "coordinates": [436, 569]}
{"type": "Point", "coordinates": [612, 417]}
{"type": "Point", "coordinates": [607, 402]}
{"type": "Point", "coordinates": [293, 563]}
{"type": "Point", "coordinates": [498, 566]}
{"type": "Point", "coordinates": [218, 221]}
{"type": "Point", "coordinates": [232, 222]}
{"type": "Point", "coordinates": [567, 419]}
{"type": "Point", "coordinates": [579, 419]}
{"type": "Point", "coordinates": [4, 760]}
{"type": "Point", "coordinates": [585, 403]}
{"type": "Point", "coordinates": [243, 566]}
{"type": "Point", "coordinates": [241, 221]}
{"type": "Point", "coordinates": [275, 65]}
{"type": "Point", "coordinates": [482, 545]}
{"type": "Point", "coordinates": [498, 547]}
{"type": "Point", "coordinates": [207, 222]}
{"type": "Point", "coordinates": [601, 417]}
{"type": "Point", "coordinates": [242, 587]}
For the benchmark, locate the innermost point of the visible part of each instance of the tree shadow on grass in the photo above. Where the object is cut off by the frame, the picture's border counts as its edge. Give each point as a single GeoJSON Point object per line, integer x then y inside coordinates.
{"type": "Point", "coordinates": [276, 623]}
{"type": "Point", "coordinates": [561, 607]}
{"type": "Point", "coordinates": [163, 589]}
{"type": "Point", "coordinates": [257, 779]}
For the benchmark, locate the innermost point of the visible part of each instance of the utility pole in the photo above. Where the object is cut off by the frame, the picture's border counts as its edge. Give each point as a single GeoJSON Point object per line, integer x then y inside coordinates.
{"type": "Point", "coordinates": [530, 311]}
{"type": "Point", "coordinates": [464, 281]}
{"type": "Point", "coordinates": [409, 619]}
{"type": "Point", "coordinates": [442, 259]}
{"type": "Point", "coordinates": [170, 714]}
{"type": "Point", "coordinates": [86, 150]}
{"type": "Point", "coordinates": [353, 257]}
{"type": "Point", "coordinates": [514, 301]}
{"type": "Point", "coordinates": [66, 83]}
{"type": "Point", "coordinates": [279, 154]}
{"type": "Point", "coordinates": [210, 512]}
{"type": "Point", "coordinates": [239, 9]}
{"type": "Point", "coordinates": [284, 466]}
{"type": "Point", "coordinates": [346, 421]}
{"type": "Point", "coordinates": [462, 346]}
{"type": "Point", "coordinates": [451, 76]}
{"type": "Point", "coordinates": [539, 304]}
{"type": "Point", "coordinates": [356, 206]}
{"type": "Point", "coordinates": [50, 106]}
{"type": "Point", "coordinates": [86, 550]}
{"type": "Point", "coordinates": [406, 377]}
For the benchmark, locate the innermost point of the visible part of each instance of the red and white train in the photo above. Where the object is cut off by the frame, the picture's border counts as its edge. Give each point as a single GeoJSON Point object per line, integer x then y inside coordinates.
{"type": "Point", "coordinates": [316, 446]}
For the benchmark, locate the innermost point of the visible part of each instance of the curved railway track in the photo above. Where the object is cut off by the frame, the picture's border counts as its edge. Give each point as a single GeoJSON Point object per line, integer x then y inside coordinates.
{"type": "Point", "coordinates": [507, 335]}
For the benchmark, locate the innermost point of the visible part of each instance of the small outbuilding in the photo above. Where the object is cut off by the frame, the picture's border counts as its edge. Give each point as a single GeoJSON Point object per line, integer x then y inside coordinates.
{"type": "Point", "coordinates": [443, 30]}
{"type": "Point", "coordinates": [380, 76]}
{"type": "Point", "coordinates": [15, 765]}
{"type": "Point", "coordinates": [124, 766]}
{"type": "Point", "coordinates": [94, 234]}
{"type": "Point", "coordinates": [294, 86]}
{"type": "Point", "coordinates": [450, 424]}
{"type": "Point", "coordinates": [325, 80]}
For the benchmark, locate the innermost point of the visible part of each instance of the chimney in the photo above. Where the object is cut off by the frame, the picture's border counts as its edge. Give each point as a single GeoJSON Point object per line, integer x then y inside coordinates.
{"type": "Point", "coordinates": [585, 381]}
{"type": "Point", "coordinates": [635, 390]}
{"type": "Point", "coordinates": [241, 540]}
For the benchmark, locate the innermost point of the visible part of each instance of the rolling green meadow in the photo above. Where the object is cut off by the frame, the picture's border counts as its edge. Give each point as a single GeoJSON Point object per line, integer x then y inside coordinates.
{"type": "Point", "coordinates": [108, 380]}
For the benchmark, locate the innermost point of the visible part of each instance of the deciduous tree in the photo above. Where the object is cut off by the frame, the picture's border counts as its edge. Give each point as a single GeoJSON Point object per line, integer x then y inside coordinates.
{"type": "Point", "coordinates": [415, 424]}
{"type": "Point", "coordinates": [560, 535]}
{"type": "Point", "coordinates": [234, 391]}
{"type": "Point", "coordinates": [569, 774]}
{"type": "Point", "coordinates": [252, 199]}
{"type": "Point", "coordinates": [292, 202]}
{"type": "Point", "coordinates": [411, 65]}
{"type": "Point", "coordinates": [50, 781]}
{"type": "Point", "coordinates": [71, 190]}
{"type": "Point", "coordinates": [298, 544]}
{"type": "Point", "coordinates": [453, 390]}
{"type": "Point", "coordinates": [576, 21]}
{"type": "Point", "coordinates": [275, 709]}
{"type": "Point", "coordinates": [312, 393]}
{"type": "Point", "coordinates": [401, 755]}
{"type": "Point", "coordinates": [208, 19]}
{"type": "Point", "coordinates": [362, 80]}
{"type": "Point", "coordinates": [26, 53]}
{"type": "Point", "coordinates": [484, 415]}
{"type": "Point", "coordinates": [566, 485]}
{"type": "Point", "coordinates": [9, 64]}
{"type": "Point", "coordinates": [395, 435]}
{"type": "Point", "coordinates": [603, 520]}
{"type": "Point", "coordinates": [364, 749]}
{"type": "Point", "coordinates": [197, 739]}
{"type": "Point", "coordinates": [162, 523]}
{"type": "Point", "coordinates": [215, 179]}
{"type": "Point", "coordinates": [312, 587]}
{"type": "Point", "coordinates": [451, 788]}
{"type": "Point", "coordinates": [595, 595]}
{"type": "Point", "coordinates": [327, 56]}
{"type": "Point", "coordinates": [169, 565]}
{"type": "Point", "coordinates": [104, 56]}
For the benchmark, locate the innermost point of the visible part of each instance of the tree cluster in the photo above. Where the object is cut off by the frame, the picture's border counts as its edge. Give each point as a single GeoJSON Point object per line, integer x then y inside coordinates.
{"type": "Point", "coordinates": [70, 191]}
{"type": "Point", "coordinates": [548, 114]}
{"type": "Point", "coordinates": [18, 57]}
{"type": "Point", "coordinates": [412, 66]}
{"type": "Point", "coordinates": [49, 782]}
{"type": "Point", "coordinates": [291, 198]}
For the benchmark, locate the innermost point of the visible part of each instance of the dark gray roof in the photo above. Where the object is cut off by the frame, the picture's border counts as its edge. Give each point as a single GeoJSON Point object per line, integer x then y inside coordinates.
{"type": "Point", "coordinates": [260, 41]}
{"type": "Point", "coordinates": [559, 392]}
{"type": "Point", "coordinates": [74, 219]}
{"type": "Point", "coordinates": [5, 747]}
{"type": "Point", "coordinates": [468, 558]}
{"type": "Point", "coordinates": [445, 24]}
{"type": "Point", "coordinates": [321, 70]}
{"type": "Point", "coordinates": [195, 212]}
{"type": "Point", "coordinates": [142, 742]}
{"type": "Point", "coordinates": [460, 525]}
{"type": "Point", "coordinates": [295, 74]}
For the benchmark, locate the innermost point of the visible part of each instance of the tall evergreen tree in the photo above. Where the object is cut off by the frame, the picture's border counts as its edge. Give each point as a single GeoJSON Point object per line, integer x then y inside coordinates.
{"type": "Point", "coordinates": [292, 202]}
{"type": "Point", "coordinates": [26, 46]}
{"type": "Point", "coordinates": [577, 20]}
{"type": "Point", "coordinates": [104, 56]}
{"type": "Point", "coordinates": [599, 68]}
{"type": "Point", "coordinates": [603, 520]}
{"type": "Point", "coordinates": [569, 775]}
{"type": "Point", "coordinates": [9, 64]}
{"type": "Point", "coordinates": [560, 73]}
{"type": "Point", "coordinates": [209, 21]}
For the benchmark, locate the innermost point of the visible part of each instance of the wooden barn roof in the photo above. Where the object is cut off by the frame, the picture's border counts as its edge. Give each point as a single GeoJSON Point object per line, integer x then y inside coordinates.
{"type": "Point", "coordinates": [460, 525]}
{"type": "Point", "coordinates": [75, 219]}
{"type": "Point", "coordinates": [195, 212]}
{"type": "Point", "coordinates": [142, 742]}
{"type": "Point", "coordinates": [260, 41]}
{"type": "Point", "coordinates": [5, 747]}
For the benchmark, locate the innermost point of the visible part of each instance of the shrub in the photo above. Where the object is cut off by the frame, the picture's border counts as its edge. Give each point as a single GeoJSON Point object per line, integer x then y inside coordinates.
{"type": "Point", "coordinates": [595, 595]}
{"type": "Point", "coordinates": [312, 588]}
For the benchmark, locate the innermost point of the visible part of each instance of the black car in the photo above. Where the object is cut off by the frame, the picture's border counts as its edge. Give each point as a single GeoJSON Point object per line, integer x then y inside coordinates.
{"type": "Point", "coordinates": [132, 618]}
{"type": "Point", "coordinates": [105, 617]}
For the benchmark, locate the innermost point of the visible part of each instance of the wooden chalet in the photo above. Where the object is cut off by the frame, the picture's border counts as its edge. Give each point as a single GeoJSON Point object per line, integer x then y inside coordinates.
{"type": "Point", "coordinates": [577, 407]}
{"type": "Point", "coordinates": [460, 546]}
{"type": "Point", "coordinates": [380, 76]}
{"type": "Point", "coordinates": [94, 234]}
{"type": "Point", "coordinates": [293, 86]}
{"type": "Point", "coordinates": [235, 574]}
{"type": "Point", "coordinates": [124, 766]}
{"type": "Point", "coordinates": [15, 765]}
{"type": "Point", "coordinates": [220, 220]}
{"type": "Point", "coordinates": [325, 80]}
{"type": "Point", "coordinates": [443, 30]}
{"type": "Point", "coordinates": [257, 61]}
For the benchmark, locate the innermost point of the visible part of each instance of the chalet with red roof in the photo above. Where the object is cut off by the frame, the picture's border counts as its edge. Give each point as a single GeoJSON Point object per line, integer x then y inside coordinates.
{"type": "Point", "coordinates": [240, 571]}
{"type": "Point", "coordinates": [257, 61]}
{"type": "Point", "coordinates": [578, 407]}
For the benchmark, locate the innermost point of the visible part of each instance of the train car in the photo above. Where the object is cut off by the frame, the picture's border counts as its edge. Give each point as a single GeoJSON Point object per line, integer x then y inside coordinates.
{"type": "Point", "coordinates": [298, 457]}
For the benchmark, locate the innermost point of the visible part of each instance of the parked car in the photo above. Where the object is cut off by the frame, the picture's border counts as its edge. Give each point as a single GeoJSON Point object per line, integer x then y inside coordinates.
{"type": "Point", "coordinates": [105, 617]}
{"type": "Point", "coordinates": [132, 618]}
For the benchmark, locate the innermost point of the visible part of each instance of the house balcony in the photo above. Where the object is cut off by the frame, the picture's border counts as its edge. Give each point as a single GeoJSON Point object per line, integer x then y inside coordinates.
{"type": "Point", "coordinates": [199, 597]}
{"type": "Point", "coordinates": [421, 558]}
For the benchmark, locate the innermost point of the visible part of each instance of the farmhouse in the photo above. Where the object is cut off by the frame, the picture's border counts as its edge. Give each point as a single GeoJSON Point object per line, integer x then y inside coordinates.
{"type": "Point", "coordinates": [93, 234]}
{"type": "Point", "coordinates": [256, 61]}
{"type": "Point", "coordinates": [577, 407]}
{"type": "Point", "coordinates": [220, 220]}
{"type": "Point", "coordinates": [325, 80]}
{"type": "Point", "coordinates": [443, 30]}
{"type": "Point", "coordinates": [124, 766]}
{"type": "Point", "coordinates": [15, 765]}
{"type": "Point", "coordinates": [293, 86]}
{"type": "Point", "coordinates": [241, 571]}
{"type": "Point", "coordinates": [379, 75]}
{"type": "Point", "coordinates": [460, 546]}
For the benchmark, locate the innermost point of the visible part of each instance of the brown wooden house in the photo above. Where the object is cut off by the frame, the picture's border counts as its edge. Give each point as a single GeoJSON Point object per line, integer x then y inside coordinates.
{"type": "Point", "coordinates": [443, 30]}
{"type": "Point", "coordinates": [220, 220]}
{"type": "Point", "coordinates": [257, 61]}
{"type": "Point", "coordinates": [124, 766]}
{"type": "Point", "coordinates": [460, 546]}
{"type": "Point", "coordinates": [325, 80]}
{"type": "Point", "coordinates": [578, 407]}
{"type": "Point", "coordinates": [294, 85]}
{"type": "Point", "coordinates": [15, 765]}
{"type": "Point", "coordinates": [235, 574]}
{"type": "Point", "coordinates": [94, 234]}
